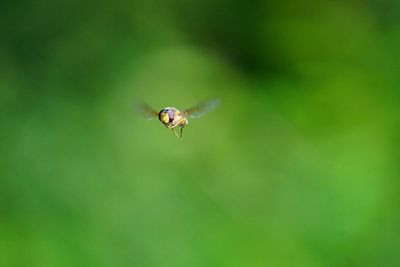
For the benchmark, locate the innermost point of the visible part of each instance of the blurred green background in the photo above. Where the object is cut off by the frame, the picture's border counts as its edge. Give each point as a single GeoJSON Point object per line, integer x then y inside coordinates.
{"type": "Point", "coordinates": [299, 166]}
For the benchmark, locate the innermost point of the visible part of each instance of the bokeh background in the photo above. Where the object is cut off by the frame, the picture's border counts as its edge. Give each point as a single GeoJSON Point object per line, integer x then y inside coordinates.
{"type": "Point", "coordinates": [299, 166]}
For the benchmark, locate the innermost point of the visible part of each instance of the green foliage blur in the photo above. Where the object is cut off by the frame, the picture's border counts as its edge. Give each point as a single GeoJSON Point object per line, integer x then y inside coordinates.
{"type": "Point", "coordinates": [299, 166]}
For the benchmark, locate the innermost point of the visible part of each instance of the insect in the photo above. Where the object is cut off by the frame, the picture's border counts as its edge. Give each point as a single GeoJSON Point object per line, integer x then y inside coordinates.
{"type": "Point", "coordinates": [171, 117]}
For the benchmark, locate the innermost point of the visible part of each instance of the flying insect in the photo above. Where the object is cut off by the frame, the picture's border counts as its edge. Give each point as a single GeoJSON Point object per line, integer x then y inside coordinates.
{"type": "Point", "coordinates": [171, 117]}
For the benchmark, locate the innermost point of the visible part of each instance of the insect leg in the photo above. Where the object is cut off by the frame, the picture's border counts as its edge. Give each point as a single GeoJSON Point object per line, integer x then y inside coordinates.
{"type": "Point", "coordinates": [181, 131]}
{"type": "Point", "coordinates": [173, 129]}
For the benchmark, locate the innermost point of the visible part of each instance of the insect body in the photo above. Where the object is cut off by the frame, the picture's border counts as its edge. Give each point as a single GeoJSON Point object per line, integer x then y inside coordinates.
{"type": "Point", "coordinates": [172, 117]}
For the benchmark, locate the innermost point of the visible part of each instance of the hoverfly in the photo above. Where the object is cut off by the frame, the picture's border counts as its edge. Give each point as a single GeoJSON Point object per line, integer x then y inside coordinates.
{"type": "Point", "coordinates": [172, 117]}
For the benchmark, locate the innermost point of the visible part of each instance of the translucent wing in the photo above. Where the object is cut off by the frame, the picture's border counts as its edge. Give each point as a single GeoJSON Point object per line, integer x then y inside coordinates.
{"type": "Point", "coordinates": [145, 110]}
{"type": "Point", "coordinates": [202, 108]}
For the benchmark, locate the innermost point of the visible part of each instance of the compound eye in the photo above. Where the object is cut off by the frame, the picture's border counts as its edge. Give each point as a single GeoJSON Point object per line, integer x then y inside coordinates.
{"type": "Point", "coordinates": [170, 115]}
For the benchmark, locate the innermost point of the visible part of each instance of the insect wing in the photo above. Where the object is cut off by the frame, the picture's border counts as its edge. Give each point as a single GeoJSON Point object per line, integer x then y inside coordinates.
{"type": "Point", "coordinates": [145, 111]}
{"type": "Point", "coordinates": [202, 108]}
